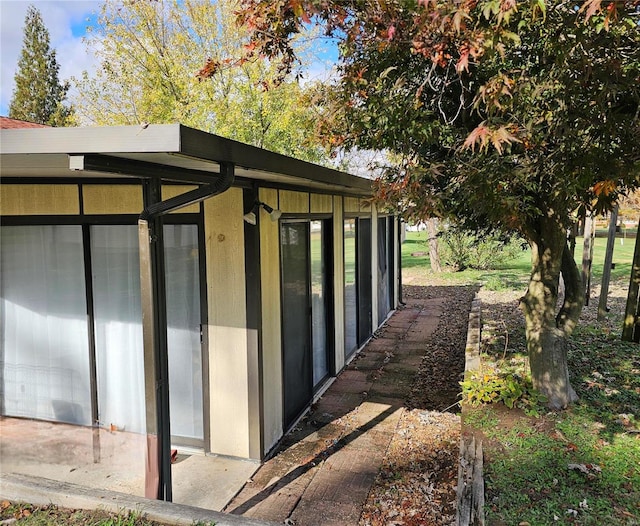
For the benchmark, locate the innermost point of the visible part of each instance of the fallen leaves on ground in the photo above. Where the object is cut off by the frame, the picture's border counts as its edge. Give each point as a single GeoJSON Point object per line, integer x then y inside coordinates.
{"type": "Point", "coordinates": [416, 485]}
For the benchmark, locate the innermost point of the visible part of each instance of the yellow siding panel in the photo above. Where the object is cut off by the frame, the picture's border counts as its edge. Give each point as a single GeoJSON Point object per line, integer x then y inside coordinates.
{"type": "Point", "coordinates": [169, 191]}
{"type": "Point", "coordinates": [321, 204]}
{"type": "Point", "coordinates": [229, 409]}
{"type": "Point", "coordinates": [292, 202]}
{"type": "Point", "coordinates": [112, 199]}
{"type": "Point", "coordinates": [351, 204]}
{"type": "Point", "coordinates": [271, 336]}
{"type": "Point", "coordinates": [23, 200]}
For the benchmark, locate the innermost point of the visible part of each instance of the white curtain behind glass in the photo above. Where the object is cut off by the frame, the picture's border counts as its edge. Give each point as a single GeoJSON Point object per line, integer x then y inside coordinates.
{"type": "Point", "coordinates": [118, 326]}
{"type": "Point", "coordinates": [44, 334]}
{"type": "Point", "coordinates": [183, 330]}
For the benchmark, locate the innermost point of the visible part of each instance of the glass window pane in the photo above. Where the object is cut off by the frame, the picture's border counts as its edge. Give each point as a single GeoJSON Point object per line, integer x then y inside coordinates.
{"type": "Point", "coordinates": [182, 267]}
{"type": "Point", "coordinates": [118, 327]}
{"type": "Point", "coordinates": [318, 303]}
{"type": "Point", "coordinates": [383, 270]}
{"type": "Point", "coordinates": [44, 332]}
{"type": "Point", "coordinates": [296, 352]}
{"type": "Point", "coordinates": [350, 291]}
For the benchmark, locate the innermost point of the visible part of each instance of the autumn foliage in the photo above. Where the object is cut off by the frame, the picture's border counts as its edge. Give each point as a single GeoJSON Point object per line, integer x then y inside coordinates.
{"type": "Point", "coordinates": [434, 81]}
{"type": "Point", "coordinates": [498, 114]}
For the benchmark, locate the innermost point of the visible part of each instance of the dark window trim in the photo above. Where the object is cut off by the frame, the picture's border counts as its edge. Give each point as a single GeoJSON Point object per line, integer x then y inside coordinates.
{"type": "Point", "coordinates": [302, 217]}
{"type": "Point", "coordinates": [328, 241]}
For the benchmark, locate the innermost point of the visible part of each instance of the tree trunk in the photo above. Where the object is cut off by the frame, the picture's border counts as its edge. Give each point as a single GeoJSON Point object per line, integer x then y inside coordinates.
{"type": "Point", "coordinates": [547, 332]}
{"type": "Point", "coordinates": [630, 327]}
{"type": "Point", "coordinates": [573, 233]}
{"type": "Point", "coordinates": [587, 254]}
{"type": "Point", "coordinates": [434, 255]}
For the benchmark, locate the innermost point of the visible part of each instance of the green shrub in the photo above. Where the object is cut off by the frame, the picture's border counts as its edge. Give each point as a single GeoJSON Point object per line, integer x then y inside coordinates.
{"type": "Point", "coordinates": [492, 386]}
{"type": "Point", "coordinates": [461, 250]}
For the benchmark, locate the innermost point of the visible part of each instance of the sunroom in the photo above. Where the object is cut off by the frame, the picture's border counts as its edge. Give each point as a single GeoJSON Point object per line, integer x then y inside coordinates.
{"type": "Point", "coordinates": [168, 293]}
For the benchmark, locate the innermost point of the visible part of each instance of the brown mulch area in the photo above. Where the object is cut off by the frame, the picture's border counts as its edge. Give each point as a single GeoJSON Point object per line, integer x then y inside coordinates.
{"type": "Point", "coordinates": [417, 482]}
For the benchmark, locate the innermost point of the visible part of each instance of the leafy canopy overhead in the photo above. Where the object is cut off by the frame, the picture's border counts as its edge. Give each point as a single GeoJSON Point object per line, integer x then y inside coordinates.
{"type": "Point", "coordinates": [496, 110]}
{"type": "Point", "coordinates": [150, 52]}
{"type": "Point", "coordinates": [502, 114]}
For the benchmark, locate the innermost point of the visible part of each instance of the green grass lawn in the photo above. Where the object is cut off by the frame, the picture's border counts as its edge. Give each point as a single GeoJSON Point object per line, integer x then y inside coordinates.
{"type": "Point", "coordinates": [29, 515]}
{"type": "Point", "coordinates": [514, 273]}
{"type": "Point", "coordinates": [577, 466]}
{"type": "Point", "coordinates": [580, 466]}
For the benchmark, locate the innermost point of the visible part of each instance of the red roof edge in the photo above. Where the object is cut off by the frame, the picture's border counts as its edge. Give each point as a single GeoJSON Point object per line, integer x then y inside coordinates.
{"type": "Point", "coordinates": [7, 123]}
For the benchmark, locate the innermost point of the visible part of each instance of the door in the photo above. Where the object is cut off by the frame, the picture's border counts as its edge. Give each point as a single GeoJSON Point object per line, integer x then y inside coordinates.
{"type": "Point", "coordinates": [118, 329]}
{"type": "Point", "coordinates": [365, 296]}
{"type": "Point", "coordinates": [306, 300]}
{"type": "Point", "coordinates": [182, 271]}
{"type": "Point", "coordinates": [296, 323]}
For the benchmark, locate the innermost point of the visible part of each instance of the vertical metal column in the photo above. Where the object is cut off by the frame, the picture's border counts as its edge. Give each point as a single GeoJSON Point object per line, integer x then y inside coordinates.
{"type": "Point", "coordinates": [154, 323]}
{"type": "Point", "coordinates": [153, 297]}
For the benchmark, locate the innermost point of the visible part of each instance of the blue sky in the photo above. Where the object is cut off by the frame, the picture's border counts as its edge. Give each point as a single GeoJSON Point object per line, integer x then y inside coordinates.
{"type": "Point", "coordinates": [66, 22]}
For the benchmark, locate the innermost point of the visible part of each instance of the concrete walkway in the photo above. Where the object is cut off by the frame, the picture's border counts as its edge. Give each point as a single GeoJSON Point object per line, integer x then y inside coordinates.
{"type": "Point", "coordinates": [326, 466]}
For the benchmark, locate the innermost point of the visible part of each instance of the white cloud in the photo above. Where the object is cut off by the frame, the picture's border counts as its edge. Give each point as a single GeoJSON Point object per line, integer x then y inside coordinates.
{"type": "Point", "coordinates": [65, 21]}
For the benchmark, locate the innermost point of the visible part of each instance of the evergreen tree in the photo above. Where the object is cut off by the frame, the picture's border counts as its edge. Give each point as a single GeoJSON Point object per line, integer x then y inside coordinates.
{"type": "Point", "coordinates": [38, 95]}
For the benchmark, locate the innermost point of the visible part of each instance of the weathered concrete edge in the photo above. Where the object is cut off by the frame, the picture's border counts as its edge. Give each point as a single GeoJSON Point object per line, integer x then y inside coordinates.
{"type": "Point", "coordinates": [42, 491]}
{"type": "Point", "coordinates": [470, 491]}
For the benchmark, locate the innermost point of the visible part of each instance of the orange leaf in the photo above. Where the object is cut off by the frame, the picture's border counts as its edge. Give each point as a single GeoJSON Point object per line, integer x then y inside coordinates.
{"type": "Point", "coordinates": [463, 61]}
{"type": "Point", "coordinates": [605, 188]}
{"type": "Point", "coordinates": [479, 135]}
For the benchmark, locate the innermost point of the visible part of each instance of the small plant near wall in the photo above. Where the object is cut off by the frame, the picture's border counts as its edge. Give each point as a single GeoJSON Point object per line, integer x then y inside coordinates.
{"type": "Point", "coordinates": [491, 386]}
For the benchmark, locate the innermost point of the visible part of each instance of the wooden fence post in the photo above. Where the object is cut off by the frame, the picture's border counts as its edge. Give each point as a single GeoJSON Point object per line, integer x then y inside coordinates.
{"type": "Point", "coordinates": [608, 260]}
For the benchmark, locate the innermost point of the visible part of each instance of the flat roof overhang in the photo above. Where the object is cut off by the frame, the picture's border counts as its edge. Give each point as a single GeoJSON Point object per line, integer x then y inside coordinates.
{"type": "Point", "coordinates": [164, 149]}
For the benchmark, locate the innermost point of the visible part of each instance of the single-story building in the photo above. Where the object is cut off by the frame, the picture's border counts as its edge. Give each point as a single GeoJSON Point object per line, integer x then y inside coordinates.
{"type": "Point", "coordinates": [173, 283]}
